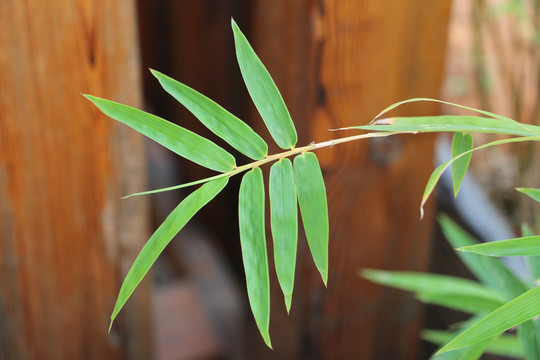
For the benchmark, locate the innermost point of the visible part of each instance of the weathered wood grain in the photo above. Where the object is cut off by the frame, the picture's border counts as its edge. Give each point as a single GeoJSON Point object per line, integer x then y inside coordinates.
{"type": "Point", "coordinates": [338, 63]}
{"type": "Point", "coordinates": [65, 238]}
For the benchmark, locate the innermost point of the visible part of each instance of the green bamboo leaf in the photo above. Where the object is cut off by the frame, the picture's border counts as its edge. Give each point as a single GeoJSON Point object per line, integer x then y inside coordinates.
{"type": "Point", "coordinates": [284, 221]}
{"type": "Point", "coordinates": [436, 174]}
{"type": "Point", "coordinates": [504, 345]}
{"type": "Point", "coordinates": [527, 333]}
{"type": "Point", "coordinates": [163, 235]}
{"type": "Point", "coordinates": [264, 92]}
{"type": "Point", "coordinates": [313, 208]}
{"type": "Point", "coordinates": [531, 192]}
{"type": "Point", "coordinates": [175, 138]}
{"type": "Point", "coordinates": [490, 271]}
{"type": "Point", "coordinates": [473, 304]}
{"type": "Point", "coordinates": [513, 313]}
{"type": "Point", "coordinates": [473, 352]}
{"type": "Point", "coordinates": [461, 143]}
{"type": "Point", "coordinates": [450, 123]}
{"type": "Point", "coordinates": [221, 122]}
{"type": "Point", "coordinates": [421, 283]}
{"type": "Point", "coordinates": [533, 262]}
{"type": "Point", "coordinates": [253, 243]}
{"type": "Point", "coordinates": [523, 246]}
{"type": "Point", "coordinates": [534, 130]}
{"type": "Point", "coordinates": [181, 186]}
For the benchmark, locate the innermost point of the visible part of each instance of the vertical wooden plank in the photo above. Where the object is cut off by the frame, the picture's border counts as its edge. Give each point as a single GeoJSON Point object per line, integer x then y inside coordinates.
{"type": "Point", "coordinates": [65, 238]}
{"type": "Point", "coordinates": [364, 55]}
{"type": "Point", "coordinates": [376, 54]}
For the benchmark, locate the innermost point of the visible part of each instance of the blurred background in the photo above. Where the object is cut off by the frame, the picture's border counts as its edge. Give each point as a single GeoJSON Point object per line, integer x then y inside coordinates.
{"type": "Point", "coordinates": [67, 240]}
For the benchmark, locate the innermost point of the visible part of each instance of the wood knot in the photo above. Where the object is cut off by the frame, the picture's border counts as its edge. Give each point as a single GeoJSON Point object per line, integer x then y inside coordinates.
{"type": "Point", "coordinates": [385, 150]}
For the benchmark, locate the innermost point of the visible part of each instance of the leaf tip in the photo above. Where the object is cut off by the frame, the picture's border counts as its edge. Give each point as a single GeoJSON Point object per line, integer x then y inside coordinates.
{"type": "Point", "coordinates": [288, 301]}
{"type": "Point", "coordinates": [89, 97]}
{"type": "Point", "coordinates": [233, 24]}
{"type": "Point", "coordinates": [376, 276]}
{"type": "Point", "coordinates": [266, 338]}
{"type": "Point", "coordinates": [156, 73]}
{"type": "Point", "coordinates": [323, 271]}
{"type": "Point", "coordinates": [422, 204]}
{"type": "Point", "coordinates": [111, 324]}
{"type": "Point", "coordinates": [364, 273]}
{"type": "Point", "coordinates": [457, 187]}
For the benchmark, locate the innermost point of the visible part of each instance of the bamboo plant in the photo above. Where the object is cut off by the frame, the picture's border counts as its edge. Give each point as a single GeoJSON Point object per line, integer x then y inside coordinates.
{"type": "Point", "coordinates": [299, 183]}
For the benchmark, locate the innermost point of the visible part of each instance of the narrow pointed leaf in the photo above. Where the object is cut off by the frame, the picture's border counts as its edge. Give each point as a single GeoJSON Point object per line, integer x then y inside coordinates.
{"type": "Point", "coordinates": [531, 192]}
{"type": "Point", "coordinates": [253, 243]}
{"type": "Point", "coordinates": [221, 122]}
{"type": "Point", "coordinates": [470, 352]}
{"type": "Point", "coordinates": [513, 313]}
{"type": "Point", "coordinates": [461, 143]}
{"type": "Point", "coordinates": [175, 187]}
{"type": "Point", "coordinates": [473, 352]}
{"type": "Point", "coordinates": [472, 304]}
{"type": "Point", "coordinates": [523, 246]}
{"type": "Point", "coordinates": [533, 262]}
{"type": "Point", "coordinates": [163, 235]}
{"type": "Point", "coordinates": [284, 223]}
{"type": "Point", "coordinates": [175, 138]}
{"type": "Point", "coordinates": [534, 130]}
{"type": "Point", "coordinates": [527, 333]}
{"type": "Point", "coordinates": [436, 174]}
{"type": "Point", "coordinates": [490, 271]}
{"type": "Point", "coordinates": [504, 345]}
{"type": "Point", "coordinates": [431, 283]}
{"type": "Point", "coordinates": [313, 208]}
{"type": "Point", "coordinates": [264, 92]}
{"type": "Point", "coordinates": [450, 123]}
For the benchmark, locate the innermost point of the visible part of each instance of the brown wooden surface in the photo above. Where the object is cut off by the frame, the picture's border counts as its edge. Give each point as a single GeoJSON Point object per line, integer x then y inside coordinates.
{"type": "Point", "coordinates": [203, 58]}
{"type": "Point", "coordinates": [65, 238]}
{"type": "Point", "coordinates": [191, 41]}
{"type": "Point", "coordinates": [363, 56]}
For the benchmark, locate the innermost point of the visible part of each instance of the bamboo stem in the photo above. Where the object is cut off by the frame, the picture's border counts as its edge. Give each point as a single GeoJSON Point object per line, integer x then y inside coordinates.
{"type": "Point", "coordinates": [275, 157]}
